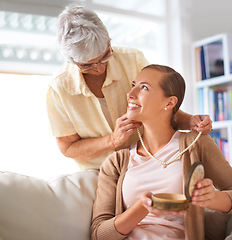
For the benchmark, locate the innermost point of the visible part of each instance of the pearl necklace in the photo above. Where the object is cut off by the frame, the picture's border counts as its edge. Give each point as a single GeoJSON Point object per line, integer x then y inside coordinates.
{"type": "Point", "coordinates": [165, 164]}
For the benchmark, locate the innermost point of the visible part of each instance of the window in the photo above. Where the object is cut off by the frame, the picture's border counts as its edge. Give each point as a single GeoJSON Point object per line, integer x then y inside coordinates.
{"type": "Point", "coordinates": [145, 35]}
{"type": "Point", "coordinates": [136, 23]}
{"type": "Point", "coordinates": [28, 46]}
{"type": "Point", "coordinates": [152, 7]}
{"type": "Point", "coordinates": [27, 146]}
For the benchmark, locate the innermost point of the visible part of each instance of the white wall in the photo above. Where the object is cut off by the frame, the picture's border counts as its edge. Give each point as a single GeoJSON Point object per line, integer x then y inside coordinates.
{"type": "Point", "coordinates": [210, 17]}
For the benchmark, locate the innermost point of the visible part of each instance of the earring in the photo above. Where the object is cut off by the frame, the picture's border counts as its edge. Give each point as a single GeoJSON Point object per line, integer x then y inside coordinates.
{"type": "Point", "coordinates": [165, 108]}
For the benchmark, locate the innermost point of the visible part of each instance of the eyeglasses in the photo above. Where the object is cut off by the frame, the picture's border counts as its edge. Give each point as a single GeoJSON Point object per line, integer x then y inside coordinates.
{"type": "Point", "coordinates": [84, 67]}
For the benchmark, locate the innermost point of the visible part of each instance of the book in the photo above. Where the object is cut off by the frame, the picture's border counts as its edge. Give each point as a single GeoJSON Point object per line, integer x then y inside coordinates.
{"type": "Point", "coordinates": [220, 107]}
{"type": "Point", "coordinates": [202, 61]}
{"type": "Point", "coordinates": [200, 100]}
{"type": "Point", "coordinates": [230, 100]}
{"type": "Point", "coordinates": [198, 63]}
{"type": "Point", "coordinates": [221, 142]}
{"type": "Point", "coordinates": [220, 103]}
{"type": "Point", "coordinates": [216, 136]}
{"type": "Point", "coordinates": [211, 60]}
{"type": "Point", "coordinates": [213, 57]}
{"type": "Point", "coordinates": [212, 102]}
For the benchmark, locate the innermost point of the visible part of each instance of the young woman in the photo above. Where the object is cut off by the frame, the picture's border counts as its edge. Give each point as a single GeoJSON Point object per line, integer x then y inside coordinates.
{"type": "Point", "coordinates": [122, 207]}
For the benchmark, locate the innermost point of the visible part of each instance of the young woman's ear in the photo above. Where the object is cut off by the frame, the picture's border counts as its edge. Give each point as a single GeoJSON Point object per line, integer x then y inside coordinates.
{"type": "Point", "coordinates": [172, 102]}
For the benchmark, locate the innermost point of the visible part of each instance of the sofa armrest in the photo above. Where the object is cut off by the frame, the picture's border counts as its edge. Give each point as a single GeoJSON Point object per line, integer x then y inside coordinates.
{"type": "Point", "coordinates": [216, 224]}
{"type": "Point", "coordinates": [229, 229]}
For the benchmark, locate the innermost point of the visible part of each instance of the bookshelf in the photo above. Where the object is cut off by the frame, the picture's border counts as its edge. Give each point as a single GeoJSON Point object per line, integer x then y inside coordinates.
{"type": "Point", "coordinates": [212, 60]}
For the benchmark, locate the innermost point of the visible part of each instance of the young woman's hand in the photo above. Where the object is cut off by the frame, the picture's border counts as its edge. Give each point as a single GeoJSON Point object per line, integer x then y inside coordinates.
{"type": "Point", "coordinates": [201, 123]}
{"type": "Point", "coordinates": [205, 195]}
{"type": "Point", "coordinates": [147, 203]}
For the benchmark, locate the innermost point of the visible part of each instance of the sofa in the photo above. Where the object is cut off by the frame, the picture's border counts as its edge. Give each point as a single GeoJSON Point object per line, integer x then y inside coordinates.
{"type": "Point", "coordinates": [33, 209]}
{"type": "Point", "coordinates": [60, 209]}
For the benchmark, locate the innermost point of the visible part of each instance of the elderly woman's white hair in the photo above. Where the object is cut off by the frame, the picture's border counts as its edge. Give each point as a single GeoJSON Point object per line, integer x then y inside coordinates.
{"type": "Point", "coordinates": [81, 34]}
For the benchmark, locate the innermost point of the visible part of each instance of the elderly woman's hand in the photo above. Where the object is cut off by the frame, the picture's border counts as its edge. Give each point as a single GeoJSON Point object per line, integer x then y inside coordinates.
{"type": "Point", "coordinates": [124, 128]}
{"type": "Point", "coordinates": [201, 123]}
{"type": "Point", "coordinates": [147, 203]}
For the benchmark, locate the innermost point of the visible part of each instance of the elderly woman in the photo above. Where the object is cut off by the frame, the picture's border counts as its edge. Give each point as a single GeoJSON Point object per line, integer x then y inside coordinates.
{"type": "Point", "coordinates": [86, 100]}
{"type": "Point", "coordinates": [122, 208]}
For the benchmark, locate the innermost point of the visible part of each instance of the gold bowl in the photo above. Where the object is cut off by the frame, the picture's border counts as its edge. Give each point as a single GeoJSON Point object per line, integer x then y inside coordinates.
{"type": "Point", "coordinates": [170, 201]}
{"type": "Point", "coordinates": [176, 201]}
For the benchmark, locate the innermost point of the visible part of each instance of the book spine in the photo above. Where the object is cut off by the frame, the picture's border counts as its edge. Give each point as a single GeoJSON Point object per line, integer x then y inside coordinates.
{"type": "Point", "coordinates": [220, 103]}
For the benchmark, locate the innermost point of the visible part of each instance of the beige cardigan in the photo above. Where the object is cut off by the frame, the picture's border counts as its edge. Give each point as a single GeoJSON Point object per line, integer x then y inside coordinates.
{"type": "Point", "coordinates": [108, 203]}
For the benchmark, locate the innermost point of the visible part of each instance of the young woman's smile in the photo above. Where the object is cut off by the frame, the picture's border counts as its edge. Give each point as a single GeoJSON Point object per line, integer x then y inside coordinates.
{"type": "Point", "coordinates": [132, 106]}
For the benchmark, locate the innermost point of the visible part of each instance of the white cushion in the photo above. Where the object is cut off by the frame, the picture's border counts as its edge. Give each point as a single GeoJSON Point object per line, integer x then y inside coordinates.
{"type": "Point", "coordinates": [32, 209]}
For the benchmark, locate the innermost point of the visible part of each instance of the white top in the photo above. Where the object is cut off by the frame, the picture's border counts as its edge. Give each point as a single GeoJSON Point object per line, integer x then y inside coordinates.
{"type": "Point", "coordinates": [147, 174]}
